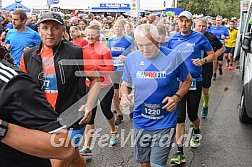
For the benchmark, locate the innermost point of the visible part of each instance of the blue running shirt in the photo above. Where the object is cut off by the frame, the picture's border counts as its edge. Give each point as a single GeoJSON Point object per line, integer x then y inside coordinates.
{"type": "Point", "coordinates": [218, 31]}
{"type": "Point", "coordinates": [121, 46]}
{"type": "Point", "coordinates": [18, 40]}
{"type": "Point", "coordinates": [190, 47]}
{"type": "Point", "coordinates": [154, 79]}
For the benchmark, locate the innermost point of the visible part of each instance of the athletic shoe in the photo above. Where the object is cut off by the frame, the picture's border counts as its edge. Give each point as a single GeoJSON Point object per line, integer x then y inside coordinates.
{"type": "Point", "coordinates": [113, 139]}
{"type": "Point", "coordinates": [227, 64]}
{"type": "Point", "coordinates": [86, 152]}
{"type": "Point", "coordinates": [214, 76]}
{"type": "Point", "coordinates": [220, 71]}
{"type": "Point", "coordinates": [119, 119]}
{"type": "Point", "coordinates": [191, 125]}
{"type": "Point", "coordinates": [195, 140]}
{"type": "Point", "coordinates": [230, 67]}
{"type": "Point", "coordinates": [204, 112]}
{"type": "Point", "coordinates": [178, 158]}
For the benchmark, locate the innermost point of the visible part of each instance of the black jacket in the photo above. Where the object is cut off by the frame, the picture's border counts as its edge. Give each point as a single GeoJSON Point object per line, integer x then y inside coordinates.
{"type": "Point", "coordinates": [70, 87]}
{"type": "Point", "coordinates": [22, 103]}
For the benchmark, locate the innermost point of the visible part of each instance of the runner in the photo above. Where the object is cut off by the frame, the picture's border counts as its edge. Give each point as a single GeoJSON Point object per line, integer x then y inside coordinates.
{"type": "Point", "coordinates": [207, 69]}
{"type": "Point", "coordinates": [230, 45]}
{"type": "Point", "coordinates": [21, 37]}
{"type": "Point", "coordinates": [153, 71]}
{"type": "Point", "coordinates": [103, 59]}
{"type": "Point", "coordinates": [190, 44]}
{"type": "Point", "coordinates": [120, 45]}
{"type": "Point", "coordinates": [221, 33]}
{"type": "Point", "coordinates": [60, 85]}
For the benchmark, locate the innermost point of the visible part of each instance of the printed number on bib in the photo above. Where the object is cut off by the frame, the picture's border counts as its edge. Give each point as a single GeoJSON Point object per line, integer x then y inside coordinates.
{"type": "Point", "coordinates": [153, 111]}
{"type": "Point", "coordinates": [50, 83]}
{"type": "Point", "coordinates": [193, 85]}
{"type": "Point", "coordinates": [117, 61]}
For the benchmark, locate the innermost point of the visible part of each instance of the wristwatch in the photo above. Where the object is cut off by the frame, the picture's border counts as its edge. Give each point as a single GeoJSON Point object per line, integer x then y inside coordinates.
{"type": "Point", "coordinates": [3, 129]}
{"type": "Point", "coordinates": [178, 96]}
{"type": "Point", "coordinates": [205, 60]}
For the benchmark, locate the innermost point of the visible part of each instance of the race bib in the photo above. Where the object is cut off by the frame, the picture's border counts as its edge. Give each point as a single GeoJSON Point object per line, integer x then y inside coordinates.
{"type": "Point", "coordinates": [153, 111]}
{"type": "Point", "coordinates": [50, 83]}
{"type": "Point", "coordinates": [193, 85]}
{"type": "Point", "coordinates": [117, 62]}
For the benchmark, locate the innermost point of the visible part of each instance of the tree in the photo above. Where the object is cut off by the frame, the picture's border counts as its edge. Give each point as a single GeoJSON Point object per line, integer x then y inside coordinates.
{"type": "Point", "coordinates": [225, 8]}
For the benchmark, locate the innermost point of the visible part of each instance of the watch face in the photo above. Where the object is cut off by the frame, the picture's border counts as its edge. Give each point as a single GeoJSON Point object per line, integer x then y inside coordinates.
{"type": "Point", "coordinates": [2, 132]}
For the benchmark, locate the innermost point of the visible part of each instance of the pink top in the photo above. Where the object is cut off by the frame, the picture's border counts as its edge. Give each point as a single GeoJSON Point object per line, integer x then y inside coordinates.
{"type": "Point", "coordinates": [102, 57]}
{"type": "Point", "coordinates": [80, 42]}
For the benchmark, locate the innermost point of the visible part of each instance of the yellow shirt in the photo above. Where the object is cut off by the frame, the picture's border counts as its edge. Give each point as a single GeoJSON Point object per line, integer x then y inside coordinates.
{"type": "Point", "coordinates": [232, 40]}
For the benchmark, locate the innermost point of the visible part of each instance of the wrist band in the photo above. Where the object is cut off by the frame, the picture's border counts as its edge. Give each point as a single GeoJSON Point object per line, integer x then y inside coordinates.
{"type": "Point", "coordinates": [178, 96]}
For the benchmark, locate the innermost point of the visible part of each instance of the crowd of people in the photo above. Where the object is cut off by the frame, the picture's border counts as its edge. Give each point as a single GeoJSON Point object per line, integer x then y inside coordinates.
{"type": "Point", "coordinates": [56, 69]}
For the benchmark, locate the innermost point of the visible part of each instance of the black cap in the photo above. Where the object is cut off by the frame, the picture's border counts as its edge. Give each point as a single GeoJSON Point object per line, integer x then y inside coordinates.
{"type": "Point", "coordinates": [51, 16]}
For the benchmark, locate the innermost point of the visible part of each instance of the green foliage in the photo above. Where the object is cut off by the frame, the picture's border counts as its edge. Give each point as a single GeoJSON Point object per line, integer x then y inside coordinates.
{"type": "Point", "coordinates": [225, 8]}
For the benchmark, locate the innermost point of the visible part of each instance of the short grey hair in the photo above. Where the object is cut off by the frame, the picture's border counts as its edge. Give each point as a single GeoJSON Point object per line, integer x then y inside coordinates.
{"type": "Point", "coordinates": [144, 30]}
{"type": "Point", "coordinates": [219, 17]}
{"type": "Point", "coordinates": [202, 20]}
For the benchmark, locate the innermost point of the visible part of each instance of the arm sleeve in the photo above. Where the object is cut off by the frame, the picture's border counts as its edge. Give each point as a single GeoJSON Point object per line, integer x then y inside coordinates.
{"type": "Point", "coordinates": [217, 43]}
{"type": "Point", "coordinates": [26, 105]}
{"type": "Point", "coordinates": [126, 72]}
{"type": "Point", "coordinates": [108, 66]}
{"type": "Point", "coordinates": [226, 32]}
{"type": "Point", "coordinates": [206, 44]}
{"type": "Point", "coordinates": [89, 66]}
{"type": "Point", "coordinates": [181, 70]}
{"type": "Point", "coordinates": [133, 44]}
{"type": "Point", "coordinates": [130, 46]}
{"type": "Point", "coordinates": [168, 44]}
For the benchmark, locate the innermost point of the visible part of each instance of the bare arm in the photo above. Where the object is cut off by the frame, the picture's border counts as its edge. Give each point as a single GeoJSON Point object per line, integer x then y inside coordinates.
{"type": "Point", "coordinates": [220, 51]}
{"type": "Point", "coordinates": [183, 89]}
{"type": "Point", "coordinates": [124, 88]}
{"type": "Point", "coordinates": [125, 98]}
{"type": "Point", "coordinates": [38, 143]}
{"type": "Point", "coordinates": [210, 58]}
{"type": "Point", "coordinates": [94, 89]}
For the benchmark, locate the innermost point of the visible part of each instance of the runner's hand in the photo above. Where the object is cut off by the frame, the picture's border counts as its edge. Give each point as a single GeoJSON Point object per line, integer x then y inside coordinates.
{"type": "Point", "coordinates": [122, 58]}
{"type": "Point", "coordinates": [171, 103]}
{"type": "Point", "coordinates": [126, 100]}
{"type": "Point", "coordinates": [198, 62]}
{"type": "Point", "coordinates": [87, 115]}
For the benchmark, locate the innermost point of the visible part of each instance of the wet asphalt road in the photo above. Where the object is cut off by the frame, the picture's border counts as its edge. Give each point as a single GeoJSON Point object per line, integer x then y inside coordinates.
{"type": "Point", "coordinates": [226, 141]}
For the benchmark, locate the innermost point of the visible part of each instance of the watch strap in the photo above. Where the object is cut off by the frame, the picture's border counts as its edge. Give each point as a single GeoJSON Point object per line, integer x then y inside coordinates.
{"type": "Point", "coordinates": [4, 123]}
{"type": "Point", "coordinates": [3, 129]}
{"type": "Point", "coordinates": [178, 96]}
